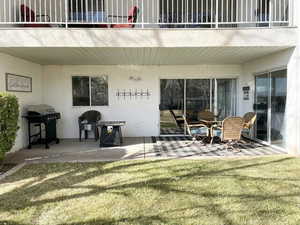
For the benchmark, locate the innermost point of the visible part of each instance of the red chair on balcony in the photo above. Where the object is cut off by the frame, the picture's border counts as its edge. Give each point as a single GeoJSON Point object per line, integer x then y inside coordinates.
{"type": "Point", "coordinates": [132, 18]}
{"type": "Point", "coordinates": [28, 15]}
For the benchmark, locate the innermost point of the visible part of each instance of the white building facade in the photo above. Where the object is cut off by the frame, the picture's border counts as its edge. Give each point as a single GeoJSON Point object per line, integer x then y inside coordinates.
{"type": "Point", "coordinates": [181, 56]}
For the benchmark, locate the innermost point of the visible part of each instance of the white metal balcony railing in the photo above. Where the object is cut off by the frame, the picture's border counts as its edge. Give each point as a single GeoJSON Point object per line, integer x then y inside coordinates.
{"type": "Point", "coordinates": [146, 13]}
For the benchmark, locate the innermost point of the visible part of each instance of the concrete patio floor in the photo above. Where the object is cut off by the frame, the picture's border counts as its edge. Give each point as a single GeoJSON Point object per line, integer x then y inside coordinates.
{"type": "Point", "coordinates": [71, 150]}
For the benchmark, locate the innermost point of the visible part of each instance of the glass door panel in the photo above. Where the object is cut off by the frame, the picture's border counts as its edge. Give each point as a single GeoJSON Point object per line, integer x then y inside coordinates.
{"type": "Point", "coordinates": [262, 89]}
{"type": "Point", "coordinates": [198, 92]}
{"type": "Point", "coordinates": [171, 106]}
{"type": "Point", "coordinates": [188, 97]}
{"type": "Point", "coordinates": [225, 98]}
{"type": "Point", "coordinates": [278, 103]}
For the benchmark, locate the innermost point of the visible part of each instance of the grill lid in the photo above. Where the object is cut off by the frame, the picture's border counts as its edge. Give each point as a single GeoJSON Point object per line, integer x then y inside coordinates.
{"type": "Point", "coordinates": [40, 109]}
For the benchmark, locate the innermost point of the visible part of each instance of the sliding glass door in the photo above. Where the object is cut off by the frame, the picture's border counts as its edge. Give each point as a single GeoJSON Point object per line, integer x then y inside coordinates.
{"type": "Point", "coordinates": [225, 101]}
{"type": "Point", "coordinates": [262, 91]}
{"type": "Point", "coordinates": [270, 103]}
{"type": "Point", "coordinates": [278, 103]}
{"type": "Point", "coordinates": [198, 97]}
{"type": "Point", "coordinates": [188, 97]}
{"type": "Point", "coordinates": [171, 106]}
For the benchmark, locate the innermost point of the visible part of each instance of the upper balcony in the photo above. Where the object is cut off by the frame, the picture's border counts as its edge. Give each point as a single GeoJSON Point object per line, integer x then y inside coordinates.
{"type": "Point", "coordinates": [209, 14]}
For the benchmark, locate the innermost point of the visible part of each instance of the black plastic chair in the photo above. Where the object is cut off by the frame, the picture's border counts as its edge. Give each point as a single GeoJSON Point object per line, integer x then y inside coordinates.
{"type": "Point", "coordinates": [89, 118]}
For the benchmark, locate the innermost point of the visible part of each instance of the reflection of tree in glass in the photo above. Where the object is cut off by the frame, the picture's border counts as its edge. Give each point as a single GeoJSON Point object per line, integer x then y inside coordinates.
{"type": "Point", "coordinates": [81, 91]}
{"type": "Point", "coordinates": [226, 97]}
{"type": "Point", "coordinates": [172, 94]}
{"type": "Point", "coordinates": [99, 89]}
{"type": "Point", "coordinates": [197, 94]}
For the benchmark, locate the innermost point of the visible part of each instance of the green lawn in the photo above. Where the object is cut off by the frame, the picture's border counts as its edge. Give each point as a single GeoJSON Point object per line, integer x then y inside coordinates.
{"type": "Point", "coordinates": [241, 191]}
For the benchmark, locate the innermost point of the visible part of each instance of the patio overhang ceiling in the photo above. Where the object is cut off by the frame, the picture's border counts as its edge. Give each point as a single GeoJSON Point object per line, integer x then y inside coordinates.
{"type": "Point", "coordinates": [140, 56]}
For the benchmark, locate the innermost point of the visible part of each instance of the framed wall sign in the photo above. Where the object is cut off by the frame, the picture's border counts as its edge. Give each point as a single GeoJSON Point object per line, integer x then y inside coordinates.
{"type": "Point", "coordinates": [17, 83]}
{"type": "Point", "coordinates": [246, 93]}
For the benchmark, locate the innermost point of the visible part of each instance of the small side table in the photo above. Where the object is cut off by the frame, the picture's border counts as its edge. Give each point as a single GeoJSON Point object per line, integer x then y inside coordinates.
{"type": "Point", "coordinates": [111, 133]}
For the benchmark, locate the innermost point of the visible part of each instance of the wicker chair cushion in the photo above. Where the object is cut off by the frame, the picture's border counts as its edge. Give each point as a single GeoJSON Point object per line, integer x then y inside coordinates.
{"type": "Point", "coordinates": [217, 132]}
{"type": "Point", "coordinates": [200, 131]}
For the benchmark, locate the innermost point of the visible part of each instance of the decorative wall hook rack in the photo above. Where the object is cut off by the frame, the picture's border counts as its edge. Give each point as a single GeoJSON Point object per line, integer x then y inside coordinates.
{"type": "Point", "coordinates": [133, 94]}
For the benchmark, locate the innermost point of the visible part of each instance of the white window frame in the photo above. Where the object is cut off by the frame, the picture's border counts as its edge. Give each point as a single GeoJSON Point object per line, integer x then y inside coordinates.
{"type": "Point", "coordinates": [90, 90]}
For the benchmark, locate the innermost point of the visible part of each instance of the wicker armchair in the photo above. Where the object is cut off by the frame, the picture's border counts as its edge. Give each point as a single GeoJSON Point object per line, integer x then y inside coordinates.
{"type": "Point", "coordinates": [249, 121]}
{"type": "Point", "coordinates": [88, 122]}
{"type": "Point", "coordinates": [198, 131]}
{"type": "Point", "coordinates": [230, 131]}
{"type": "Point", "coordinates": [178, 119]}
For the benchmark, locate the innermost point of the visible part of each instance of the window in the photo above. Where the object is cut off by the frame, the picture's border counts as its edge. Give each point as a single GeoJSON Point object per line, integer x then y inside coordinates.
{"type": "Point", "coordinates": [81, 91]}
{"type": "Point", "coordinates": [90, 91]}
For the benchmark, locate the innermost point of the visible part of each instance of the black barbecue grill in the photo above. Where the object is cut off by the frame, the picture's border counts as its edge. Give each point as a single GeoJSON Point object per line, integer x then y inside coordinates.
{"type": "Point", "coordinates": [41, 120]}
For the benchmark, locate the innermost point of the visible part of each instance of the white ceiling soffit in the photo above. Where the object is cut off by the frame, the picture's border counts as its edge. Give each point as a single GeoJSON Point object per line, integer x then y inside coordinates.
{"type": "Point", "coordinates": [140, 56]}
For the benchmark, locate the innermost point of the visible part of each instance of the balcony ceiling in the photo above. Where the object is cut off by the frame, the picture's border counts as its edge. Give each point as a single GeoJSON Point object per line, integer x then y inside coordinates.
{"type": "Point", "coordinates": [140, 56]}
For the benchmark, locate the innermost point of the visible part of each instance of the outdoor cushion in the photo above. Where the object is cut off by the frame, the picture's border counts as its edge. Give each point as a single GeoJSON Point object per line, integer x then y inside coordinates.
{"type": "Point", "coordinates": [217, 132]}
{"type": "Point", "coordinates": [201, 131]}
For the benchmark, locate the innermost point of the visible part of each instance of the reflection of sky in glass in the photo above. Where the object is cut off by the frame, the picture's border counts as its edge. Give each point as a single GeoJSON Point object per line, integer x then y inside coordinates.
{"type": "Point", "coordinates": [262, 86]}
{"type": "Point", "coordinates": [280, 86]}
{"type": "Point", "coordinates": [262, 89]}
{"type": "Point", "coordinates": [277, 81]}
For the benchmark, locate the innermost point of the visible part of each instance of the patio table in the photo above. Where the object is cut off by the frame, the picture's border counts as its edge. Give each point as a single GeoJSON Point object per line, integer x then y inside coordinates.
{"type": "Point", "coordinates": [111, 133]}
{"type": "Point", "coordinates": [193, 20]}
{"type": "Point", "coordinates": [210, 123]}
{"type": "Point", "coordinates": [89, 18]}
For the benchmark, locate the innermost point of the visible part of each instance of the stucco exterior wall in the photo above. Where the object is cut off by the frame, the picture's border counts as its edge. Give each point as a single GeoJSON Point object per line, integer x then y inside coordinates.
{"type": "Point", "coordinates": [9, 64]}
{"type": "Point", "coordinates": [293, 101]}
{"type": "Point", "coordinates": [53, 85]}
{"type": "Point", "coordinates": [284, 59]}
{"type": "Point", "coordinates": [263, 64]}
{"type": "Point", "coordinates": [141, 115]}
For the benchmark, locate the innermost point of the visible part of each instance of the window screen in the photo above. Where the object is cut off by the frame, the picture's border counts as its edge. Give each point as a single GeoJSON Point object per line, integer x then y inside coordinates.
{"type": "Point", "coordinates": [90, 91]}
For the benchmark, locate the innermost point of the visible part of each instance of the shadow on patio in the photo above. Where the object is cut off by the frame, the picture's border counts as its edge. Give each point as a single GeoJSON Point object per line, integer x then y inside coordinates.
{"type": "Point", "coordinates": [136, 148]}
{"type": "Point", "coordinates": [71, 150]}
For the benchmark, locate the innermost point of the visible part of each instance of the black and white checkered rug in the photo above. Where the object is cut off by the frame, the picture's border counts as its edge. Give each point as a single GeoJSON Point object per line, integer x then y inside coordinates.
{"type": "Point", "coordinates": [184, 147]}
{"type": "Point", "coordinates": [171, 131]}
